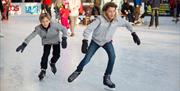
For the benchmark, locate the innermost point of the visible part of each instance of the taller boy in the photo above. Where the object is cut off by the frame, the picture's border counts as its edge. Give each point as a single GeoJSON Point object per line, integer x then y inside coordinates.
{"type": "Point", "coordinates": [103, 29]}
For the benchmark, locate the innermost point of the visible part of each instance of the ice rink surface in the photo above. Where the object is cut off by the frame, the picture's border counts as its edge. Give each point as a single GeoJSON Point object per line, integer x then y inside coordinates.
{"type": "Point", "coordinates": [152, 66]}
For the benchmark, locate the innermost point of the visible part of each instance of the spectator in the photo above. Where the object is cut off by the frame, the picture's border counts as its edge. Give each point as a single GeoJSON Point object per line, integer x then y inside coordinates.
{"type": "Point", "coordinates": [5, 13]}
{"type": "Point", "coordinates": [137, 5]}
{"type": "Point", "coordinates": [146, 4]}
{"type": "Point", "coordinates": [74, 6]}
{"type": "Point", "coordinates": [46, 6]}
{"type": "Point", "coordinates": [155, 4]}
{"type": "Point", "coordinates": [177, 10]}
{"type": "Point", "coordinates": [128, 10]}
{"type": "Point", "coordinates": [64, 14]}
{"type": "Point", "coordinates": [1, 8]}
{"type": "Point", "coordinates": [96, 9]}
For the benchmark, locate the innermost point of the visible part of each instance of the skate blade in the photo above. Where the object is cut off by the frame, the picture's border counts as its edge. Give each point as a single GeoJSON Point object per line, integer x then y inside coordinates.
{"type": "Point", "coordinates": [109, 89]}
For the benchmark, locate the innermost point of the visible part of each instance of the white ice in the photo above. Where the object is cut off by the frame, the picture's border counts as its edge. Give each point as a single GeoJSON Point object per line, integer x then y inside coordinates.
{"type": "Point", "coordinates": [152, 66]}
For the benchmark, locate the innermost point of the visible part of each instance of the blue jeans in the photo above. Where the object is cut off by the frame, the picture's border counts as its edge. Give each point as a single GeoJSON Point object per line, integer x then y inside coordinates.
{"type": "Point", "coordinates": [93, 47]}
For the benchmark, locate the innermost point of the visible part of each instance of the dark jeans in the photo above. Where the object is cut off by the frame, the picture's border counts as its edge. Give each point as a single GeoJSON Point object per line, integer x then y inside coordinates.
{"type": "Point", "coordinates": [178, 10]}
{"type": "Point", "coordinates": [47, 8]}
{"type": "Point", "coordinates": [155, 12]}
{"type": "Point", "coordinates": [54, 59]}
{"type": "Point", "coordinates": [91, 51]}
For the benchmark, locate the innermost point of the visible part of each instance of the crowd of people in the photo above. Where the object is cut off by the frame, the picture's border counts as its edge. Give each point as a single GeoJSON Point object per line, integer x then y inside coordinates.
{"type": "Point", "coordinates": [67, 11]}
{"type": "Point", "coordinates": [132, 13]}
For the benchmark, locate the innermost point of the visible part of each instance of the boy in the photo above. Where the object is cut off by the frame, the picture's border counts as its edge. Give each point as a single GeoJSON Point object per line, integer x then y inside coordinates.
{"type": "Point", "coordinates": [49, 33]}
{"type": "Point", "coordinates": [103, 29]}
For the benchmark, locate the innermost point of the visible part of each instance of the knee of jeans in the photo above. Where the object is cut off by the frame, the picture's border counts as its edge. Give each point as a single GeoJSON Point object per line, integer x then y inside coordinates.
{"type": "Point", "coordinates": [113, 57]}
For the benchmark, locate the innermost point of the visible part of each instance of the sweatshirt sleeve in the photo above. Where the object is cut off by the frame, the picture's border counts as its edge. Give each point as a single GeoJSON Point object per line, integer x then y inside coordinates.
{"type": "Point", "coordinates": [62, 29]}
{"type": "Point", "coordinates": [124, 23]}
{"type": "Point", "coordinates": [31, 36]}
{"type": "Point", "coordinates": [91, 27]}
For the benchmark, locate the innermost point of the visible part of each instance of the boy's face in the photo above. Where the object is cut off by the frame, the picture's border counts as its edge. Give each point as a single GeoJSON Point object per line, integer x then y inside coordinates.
{"type": "Point", "coordinates": [45, 22]}
{"type": "Point", "coordinates": [111, 13]}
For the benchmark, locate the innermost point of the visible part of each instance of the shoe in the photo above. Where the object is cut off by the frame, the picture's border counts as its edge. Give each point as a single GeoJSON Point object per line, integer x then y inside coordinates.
{"type": "Point", "coordinates": [107, 81]}
{"type": "Point", "coordinates": [53, 68]}
{"type": "Point", "coordinates": [42, 74]}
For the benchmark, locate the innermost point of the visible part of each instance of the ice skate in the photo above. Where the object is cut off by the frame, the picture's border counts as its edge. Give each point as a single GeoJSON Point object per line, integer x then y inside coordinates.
{"type": "Point", "coordinates": [53, 67]}
{"type": "Point", "coordinates": [108, 83]}
{"type": "Point", "coordinates": [73, 76]}
{"type": "Point", "coordinates": [42, 74]}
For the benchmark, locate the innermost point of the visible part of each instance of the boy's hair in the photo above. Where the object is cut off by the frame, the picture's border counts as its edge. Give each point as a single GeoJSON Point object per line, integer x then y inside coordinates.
{"type": "Point", "coordinates": [107, 5]}
{"type": "Point", "coordinates": [43, 15]}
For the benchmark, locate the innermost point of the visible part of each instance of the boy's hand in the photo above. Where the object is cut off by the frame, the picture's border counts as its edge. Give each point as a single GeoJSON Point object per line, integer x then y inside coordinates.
{"type": "Point", "coordinates": [64, 42]}
{"type": "Point", "coordinates": [136, 38]}
{"type": "Point", "coordinates": [21, 47]}
{"type": "Point", "coordinates": [84, 46]}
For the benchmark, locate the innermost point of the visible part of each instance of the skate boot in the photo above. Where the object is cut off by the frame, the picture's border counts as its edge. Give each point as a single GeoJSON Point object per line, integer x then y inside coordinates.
{"type": "Point", "coordinates": [107, 82]}
{"type": "Point", "coordinates": [73, 76]}
{"type": "Point", "coordinates": [53, 68]}
{"type": "Point", "coordinates": [42, 74]}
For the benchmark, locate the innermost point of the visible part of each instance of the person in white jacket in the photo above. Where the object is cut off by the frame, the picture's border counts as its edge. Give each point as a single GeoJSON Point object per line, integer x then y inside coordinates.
{"type": "Point", "coordinates": [74, 6]}
{"type": "Point", "coordinates": [102, 30]}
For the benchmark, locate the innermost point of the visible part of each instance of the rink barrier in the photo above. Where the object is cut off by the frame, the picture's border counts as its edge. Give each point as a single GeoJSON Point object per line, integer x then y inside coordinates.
{"type": "Point", "coordinates": [25, 9]}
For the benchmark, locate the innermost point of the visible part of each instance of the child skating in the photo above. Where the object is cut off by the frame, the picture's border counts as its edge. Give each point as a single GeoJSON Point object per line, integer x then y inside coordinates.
{"type": "Point", "coordinates": [49, 33]}
{"type": "Point", "coordinates": [103, 29]}
{"type": "Point", "coordinates": [64, 14]}
{"type": "Point", "coordinates": [5, 13]}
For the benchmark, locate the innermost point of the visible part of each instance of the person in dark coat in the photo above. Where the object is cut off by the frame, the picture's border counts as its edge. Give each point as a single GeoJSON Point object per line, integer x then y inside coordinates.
{"type": "Point", "coordinates": [177, 10]}
{"type": "Point", "coordinates": [155, 4]}
{"type": "Point", "coordinates": [128, 11]}
{"type": "Point", "coordinates": [1, 7]}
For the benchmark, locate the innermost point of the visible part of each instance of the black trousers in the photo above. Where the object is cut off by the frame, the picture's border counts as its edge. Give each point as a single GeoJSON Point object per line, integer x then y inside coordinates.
{"type": "Point", "coordinates": [46, 52]}
{"type": "Point", "coordinates": [155, 13]}
{"type": "Point", "coordinates": [1, 7]}
{"type": "Point", "coordinates": [178, 10]}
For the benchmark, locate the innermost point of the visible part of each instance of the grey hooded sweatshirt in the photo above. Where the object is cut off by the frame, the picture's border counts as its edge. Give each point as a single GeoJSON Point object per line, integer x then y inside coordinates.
{"type": "Point", "coordinates": [103, 30]}
{"type": "Point", "coordinates": [51, 36]}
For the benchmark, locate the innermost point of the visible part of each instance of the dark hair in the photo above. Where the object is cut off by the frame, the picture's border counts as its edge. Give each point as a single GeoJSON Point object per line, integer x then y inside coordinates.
{"type": "Point", "coordinates": [43, 15]}
{"type": "Point", "coordinates": [107, 5]}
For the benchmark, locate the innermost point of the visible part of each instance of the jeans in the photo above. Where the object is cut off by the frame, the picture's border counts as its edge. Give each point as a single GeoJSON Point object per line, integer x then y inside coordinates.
{"type": "Point", "coordinates": [91, 51]}
{"type": "Point", "coordinates": [46, 50]}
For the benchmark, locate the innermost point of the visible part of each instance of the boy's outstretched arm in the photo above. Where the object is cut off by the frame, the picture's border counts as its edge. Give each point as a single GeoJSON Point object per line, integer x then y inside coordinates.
{"type": "Point", "coordinates": [27, 40]}
{"type": "Point", "coordinates": [130, 28]}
